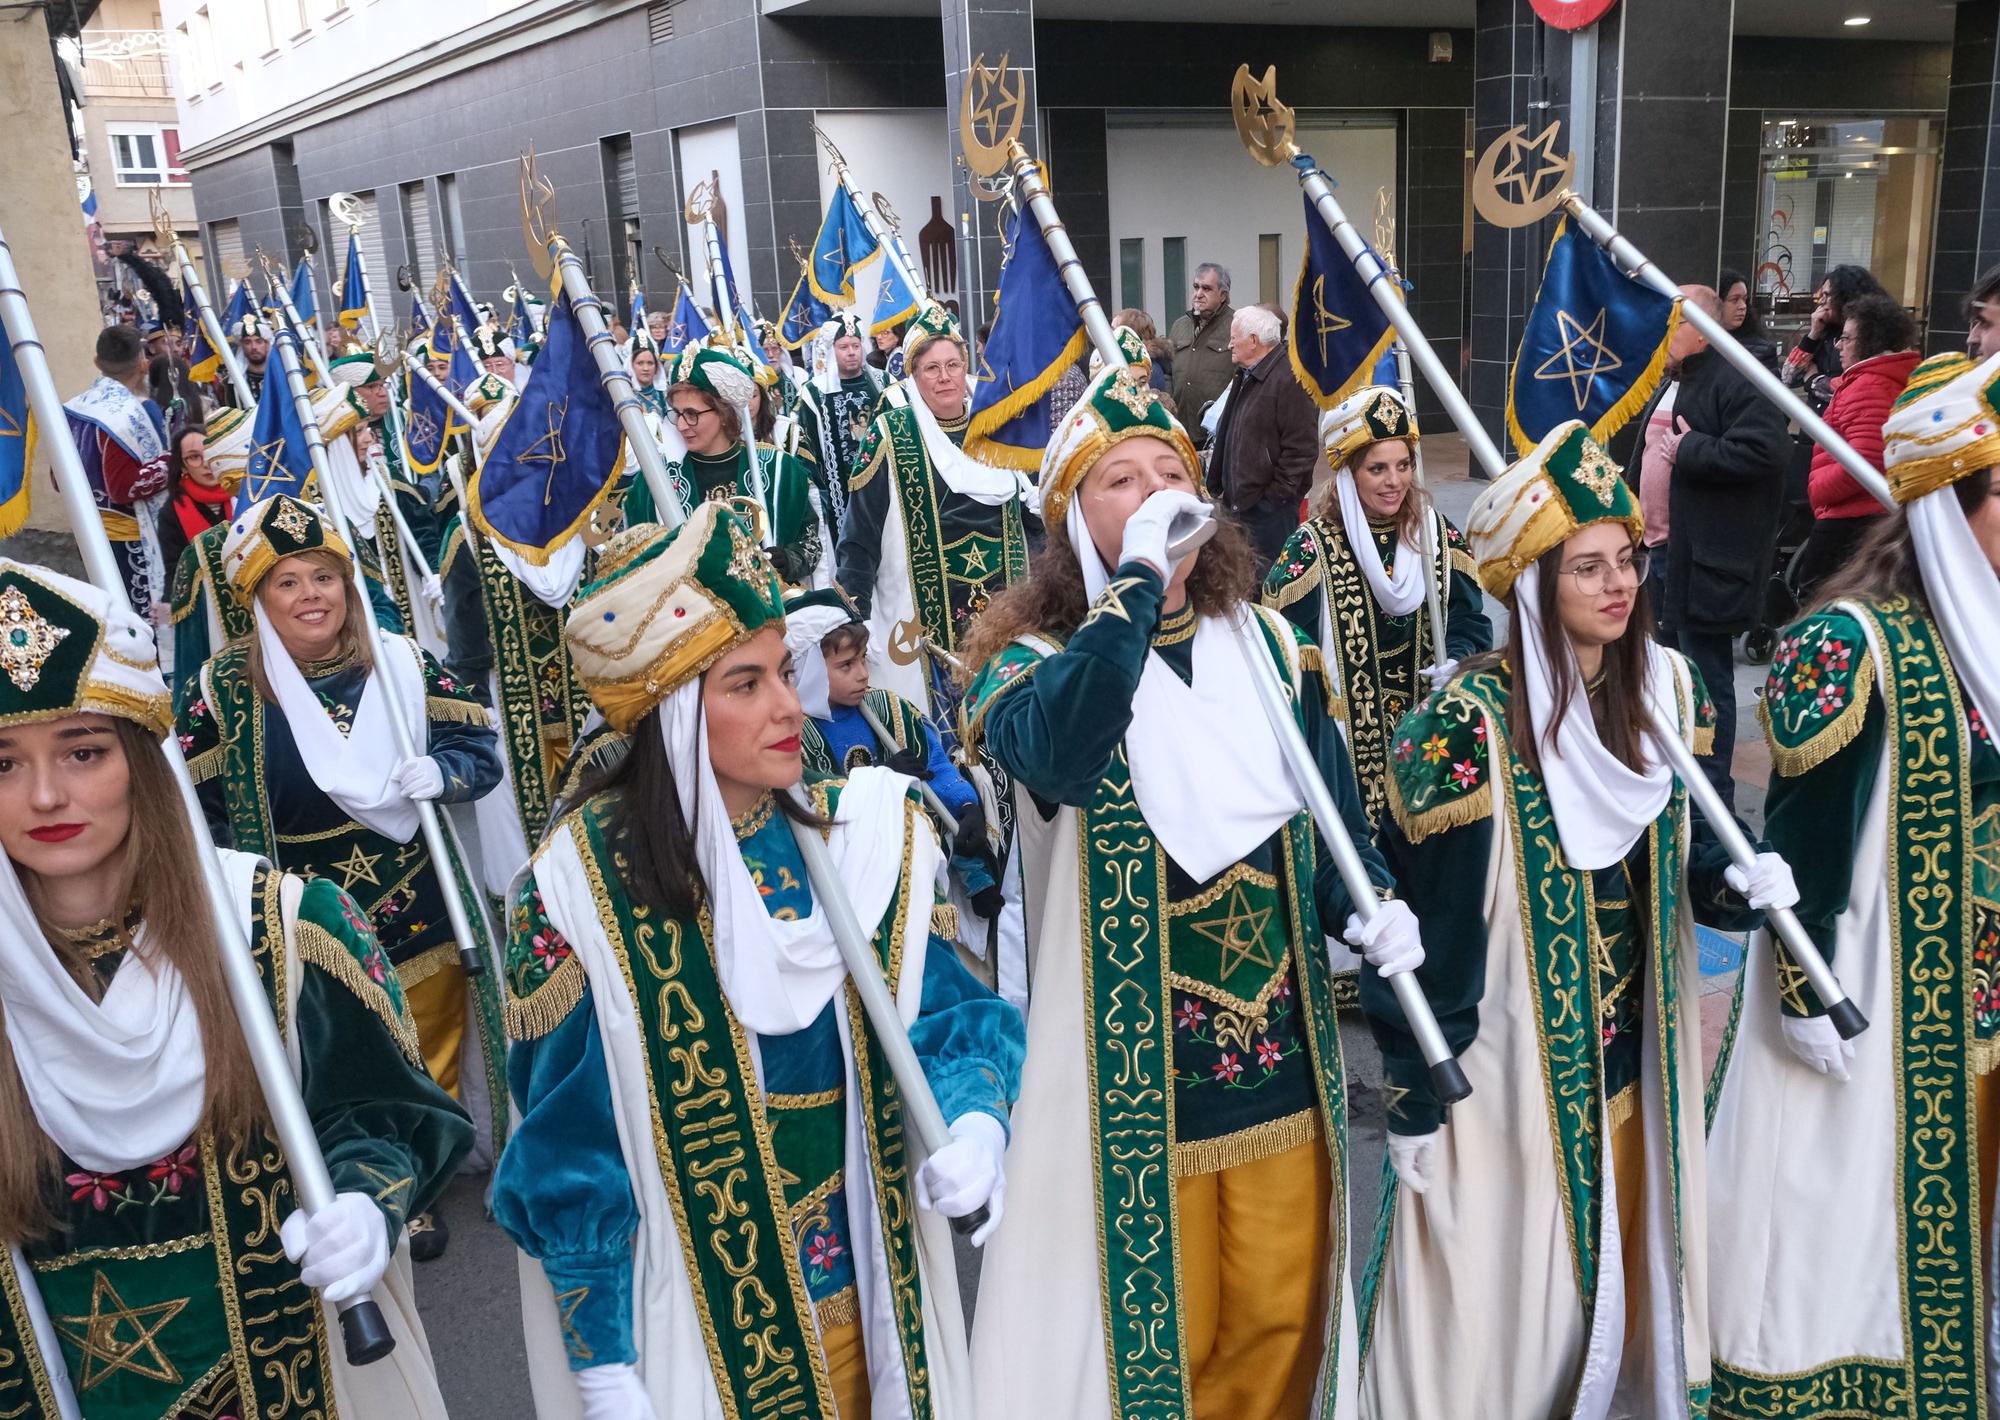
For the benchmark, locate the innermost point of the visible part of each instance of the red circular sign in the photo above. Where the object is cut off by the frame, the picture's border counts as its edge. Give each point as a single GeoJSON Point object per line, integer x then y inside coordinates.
{"type": "Point", "coordinates": [1572, 14]}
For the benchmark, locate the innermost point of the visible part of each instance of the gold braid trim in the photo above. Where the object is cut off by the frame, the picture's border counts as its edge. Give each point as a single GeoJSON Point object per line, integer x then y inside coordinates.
{"type": "Point", "coordinates": [1455, 813]}
{"type": "Point", "coordinates": [205, 765]}
{"type": "Point", "coordinates": [1830, 738]}
{"type": "Point", "coordinates": [532, 1017]}
{"type": "Point", "coordinates": [1245, 1146]}
{"type": "Point", "coordinates": [1461, 561]}
{"type": "Point", "coordinates": [319, 947]}
{"type": "Point", "coordinates": [840, 1309]}
{"type": "Point", "coordinates": [455, 712]}
{"type": "Point", "coordinates": [1298, 587]}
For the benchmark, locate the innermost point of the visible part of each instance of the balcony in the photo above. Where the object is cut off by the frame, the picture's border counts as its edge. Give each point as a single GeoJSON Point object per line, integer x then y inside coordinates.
{"type": "Point", "coordinates": [125, 64]}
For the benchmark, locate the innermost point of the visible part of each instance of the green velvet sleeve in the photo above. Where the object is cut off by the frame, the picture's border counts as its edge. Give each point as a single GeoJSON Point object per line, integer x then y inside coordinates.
{"type": "Point", "coordinates": [795, 530]}
{"type": "Point", "coordinates": [385, 1127]}
{"type": "Point", "coordinates": [462, 738]}
{"type": "Point", "coordinates": [1056, 727]}
{"type": "Point", "coordinates": [1296, 582]}
{"type": "Point", "coordinates": [423, 521]}
{"type": "Point", "coordinates": [201, 746]}
{"type": "Point", "coordinates": [858, 555]}
{"type": "Point", "coordinates": [969, 1041]}
{"type": "Point", "coordinates": [1467, 629]}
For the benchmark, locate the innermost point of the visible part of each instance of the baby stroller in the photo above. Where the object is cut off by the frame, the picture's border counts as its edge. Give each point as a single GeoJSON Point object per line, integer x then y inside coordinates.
{"type": "Point", "coordinates": [1781, 592]}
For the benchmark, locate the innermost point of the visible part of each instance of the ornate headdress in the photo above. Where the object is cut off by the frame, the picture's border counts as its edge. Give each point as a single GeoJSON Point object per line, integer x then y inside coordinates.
{"type": "Point", "coordinates": [1945, 426]}
{"type": "Point", "coordinates": [931, 323]}
{"type": "Point", "coordinates": [1136, 354]}
{"type": "Point", "coordinates": [266, 533]}
{"type": "Point", "coordinates": [1116, 406]}
{"type": "Point", "coordinates": [66, 647]}
{"type": "Point", "coordinates": [714, 372]}
{"type": "Point", "coordinates": [486, 342]}
{"type": "Point", "coordinates": [228, 447]}
{"type": "Point", "coordinates": [845, 322]}
{"type": "Point", "coordinates": [1368, 416]}
{"type": "Point", "coordinates": [1564, 485]}
{"type": "Point", "coordinates": [252, 324]}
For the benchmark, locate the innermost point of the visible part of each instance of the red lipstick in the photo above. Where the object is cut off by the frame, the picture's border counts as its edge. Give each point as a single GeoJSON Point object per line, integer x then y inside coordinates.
{"type": "Point", "coordinates": [56, 832]}
{"type": "Point", "coordinates": [785, 746]}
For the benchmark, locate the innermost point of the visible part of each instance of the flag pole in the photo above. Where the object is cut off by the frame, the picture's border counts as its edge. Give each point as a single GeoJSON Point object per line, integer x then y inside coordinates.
{"type": "Point", "coordinates": [364, 1333]}
{"type": "Point", "coordinates": [440, 842]}
{"type": "Point", "coordinates": [218, 338]}
{"type": "Point", "coordinates": [892, 251]}
{"type": "Point", "coordinates": [1447, 1076]}
{"type": "Point", "coordinates": [1265, 126]}
{"type": "Point", "coordinates": [310, 342]}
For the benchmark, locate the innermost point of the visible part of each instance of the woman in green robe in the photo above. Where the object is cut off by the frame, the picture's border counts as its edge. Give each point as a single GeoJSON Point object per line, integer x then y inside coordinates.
{"type": "Point", "coordinates": [159, 1266]}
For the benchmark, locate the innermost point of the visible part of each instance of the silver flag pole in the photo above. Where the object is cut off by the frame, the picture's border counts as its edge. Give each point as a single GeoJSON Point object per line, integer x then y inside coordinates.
{"type": "Point", "coordinates": [218, 338]}
{"type": "Point", "coordinates": [364, 1333]}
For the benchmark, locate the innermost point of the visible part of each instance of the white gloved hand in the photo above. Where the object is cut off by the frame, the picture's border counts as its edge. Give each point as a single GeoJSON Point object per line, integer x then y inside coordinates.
{"type": "Point", "coordinates": [967, 1173]}
{"type": "Point", "coordinates": [1414, 1157]}
{"type": "Point", "coordinates": [1389, 941]}
{"type": "Point", "coordinates": [434, 593]}
{"type": "Point", "coordinates": [1166, 517]}
{"type": "Point", "coordinates": [1768, 883]}
{"type": "Point", "coordinates": [1441, 672]}
{"type": "Point", "coordinates": [613, 1392]}
{"type": "Point", "coordinates": [419, 777]}
{"type": "Point", "coordinates": [1817, 1044]}
{"type": "Point", "coordinates": [342, 1250]}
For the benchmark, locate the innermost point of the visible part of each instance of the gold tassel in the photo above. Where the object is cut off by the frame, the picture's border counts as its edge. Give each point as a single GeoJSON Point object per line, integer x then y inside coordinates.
{"type": "Point", "coordinates": [455, 712]}
{"type": "Point", "coordinates": [319, 947]}
{"type": "Point", "coordinates": [1453, 813]}
{"type": "Point", "coordinates": [1830, 738]}
{"type": "Point", "coordinates": [1246, 1146]}
{"type": "Point", "coordinates": [532, 1017]}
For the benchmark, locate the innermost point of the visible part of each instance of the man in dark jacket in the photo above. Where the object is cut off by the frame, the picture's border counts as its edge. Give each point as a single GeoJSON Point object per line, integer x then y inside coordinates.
{"type": "Point", "coordinates": [1268, 440]}
{"type": "Point", "coordinates": [1727, 449]}
{"type": "Point", "coordinates": [1200, 340]}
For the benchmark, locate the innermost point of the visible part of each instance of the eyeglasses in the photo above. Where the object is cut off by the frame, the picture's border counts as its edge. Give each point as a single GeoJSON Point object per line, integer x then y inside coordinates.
{"type": "Point", "coordinates": [689, 416]}
{"type": "Point", "coordinates": [939, 368]}
{"type": "Point", "coordinates": [1595, 575]}
{"type": "Point", "coordinates": [1843, 339]}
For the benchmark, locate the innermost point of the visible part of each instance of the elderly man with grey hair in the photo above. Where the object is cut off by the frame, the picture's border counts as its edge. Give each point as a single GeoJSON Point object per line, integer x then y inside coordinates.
{"type": "Point", "coordinates": [1268, 439]}
{"type": "Point", "coordinates": [1200, 340]}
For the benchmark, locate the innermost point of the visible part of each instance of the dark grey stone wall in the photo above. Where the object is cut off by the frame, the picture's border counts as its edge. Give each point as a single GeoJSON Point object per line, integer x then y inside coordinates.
{"type": "Point", "coordinates": [1968, 222]}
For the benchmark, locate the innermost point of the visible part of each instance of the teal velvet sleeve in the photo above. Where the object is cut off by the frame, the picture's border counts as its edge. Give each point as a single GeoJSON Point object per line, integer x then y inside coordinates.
{"type": "Point", "coordinates": [1057, 733]}
{"type": "Point", "coordinates": [561, 1190]}
{"type": "Point", "coordinates": [969, 1041]}
{"type": "Point", "coordinates": [461, 739]}
{"type": "Point", "coordinates": [1467, 628]}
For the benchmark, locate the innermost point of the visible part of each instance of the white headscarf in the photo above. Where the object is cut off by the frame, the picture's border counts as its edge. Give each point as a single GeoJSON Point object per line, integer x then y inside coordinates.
{"type": "Point", "coordinates": [1964, 596]}
{"type": "Point", "coordinates": [1601, 807]}
{"type": "Point", "coordinates": [805, 628]}
{"type": "Point", "coordinates": [1402, 593]}
{"type": "Point", "coordinates": [962, 473]}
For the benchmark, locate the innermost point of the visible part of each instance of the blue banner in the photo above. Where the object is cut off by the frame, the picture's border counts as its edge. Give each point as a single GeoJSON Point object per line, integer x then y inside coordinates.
{"type": "Point", "coordinates": [204, 362]}
{"type": "Point", "coordinates": [353, 286]}
{"type": "Point", "coordinates": [558, 452]}
{"type": "Point", "coordinates": [1594, 347]}
{"type": "Point", "coordinates": [895, 302]}
{"type": "Point", "coordinates": [521, 327]}
{"type": "Point", "coordinates": [420, 319]}
{"type": "Point", "coordinates": [280, 458]}
{"type": "Point", "coordinates": [844, 243]}
{"type": "Point", "coordinates": [686, 328]}
{"type": "Point", "coordinates": [638, 321]}
{"type": "Point", "coordinates": [1037, 335]}
{"type": "Point", "coordinates": [805, 313]}
{"type": "Point", "coordinates": [302, 292]}
{"type": "Point", "coordinates": [17, 441]}
{"type": "Point", "coordinates": [239, 307]}
{"type": "Point", "coordinates": [1338, 334]}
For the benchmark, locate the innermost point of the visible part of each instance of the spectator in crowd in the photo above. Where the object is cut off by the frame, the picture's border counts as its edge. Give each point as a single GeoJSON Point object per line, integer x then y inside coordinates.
{"type": "Point", "coordinates": [1141, 325]}
{"type": "Point", "coordinates": [1982, 316]}
{"type": "Point", "coordinates": [1740, 317]}
{"type": "Point", "coordinates": [1877, 347]}
{"type": "Point", "coordinates": [1815, 360]}
{"type": "Point", "coordinates": [1268, 441]}
{"type": "Point", "coordinates": [657, 324]}
{"type": "Point", "coordinates": [1727, 451]}
{"type": "Point", "coordinates": [1200, 341]}
{"type": "Point", "coordinates": [886, 343]}
{"type": "Point", "coordinates": [196, 498]}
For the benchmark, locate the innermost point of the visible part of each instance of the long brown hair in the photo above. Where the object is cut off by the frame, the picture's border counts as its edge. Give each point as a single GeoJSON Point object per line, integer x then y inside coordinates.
{"type": "Point", "coordinates": [1884, 564]}
{"type": "Point", "coordinates": [353, 643]}
{"type": "Point", "coordinates": [1051, 601]}
{"type": "Point", "coordinates": [169, 890]}
{"type": "Point", "coordinates": [1622, 718]}
{"type": "Point", "coordinates": [1409, 518]}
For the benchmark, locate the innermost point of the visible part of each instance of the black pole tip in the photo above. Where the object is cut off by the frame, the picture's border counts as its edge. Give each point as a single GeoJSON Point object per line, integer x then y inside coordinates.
{"type": "Point", "coordinates": [1847, 1019]}
{"type": "Point", "coordinates": [1448, 1081]}
{"type": "Point", "coordinates": [971, 1223]}
{"type": "Point", "coordinates": [365, 1334]}
{"type": "Point", "coordinates": [472, 961]}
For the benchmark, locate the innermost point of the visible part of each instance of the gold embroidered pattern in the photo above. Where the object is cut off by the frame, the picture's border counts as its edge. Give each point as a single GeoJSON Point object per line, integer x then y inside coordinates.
{"type": "Point", "coordinates": [115, 1337]}
{"type": "Point", "coordinates": [566, 1307]}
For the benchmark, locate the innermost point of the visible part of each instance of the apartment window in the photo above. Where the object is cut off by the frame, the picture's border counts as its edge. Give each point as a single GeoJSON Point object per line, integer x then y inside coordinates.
{"type": "Point", "coordinates": [146, 155]}
{"type": "Point", "coordinates": [419, 238]}
{"type": "Point", "coordinates": [206, 68]}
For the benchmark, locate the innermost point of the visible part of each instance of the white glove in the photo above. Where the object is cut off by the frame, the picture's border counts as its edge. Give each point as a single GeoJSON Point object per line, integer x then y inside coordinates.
{"type": "Point", "coordinates": [967, 1173]}
{"type": "Point", "coordinates": [342, 1250]}
{"type": "Point", "coordinates": [419, 777]}
{"type": "Point", "coordinates": [434, 593]}
{"type": "Point", "coordinates": [1441, 672]}
{"type": "Point", "coordinates": [1768, 883]}
{"type": "Point", "coordinates": [1413, 1156]}
{"type": "Point", "coordinates": [613, 1392]}
{"type": "Point", "coordinates": [1390, 941]}
{"type": "Point", "coordinates": [1817, 1044]}
{"type": "Point", "coordinates": [1163, 519]}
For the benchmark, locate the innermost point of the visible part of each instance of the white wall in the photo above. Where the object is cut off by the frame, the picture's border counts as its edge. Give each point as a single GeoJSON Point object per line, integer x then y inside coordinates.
{"type": "Point", "coordinates": [1198, 183]}
{"type": "Point", "coordinates": [905, 156]}
{"type": "Point", "coordinates": [711, 149]}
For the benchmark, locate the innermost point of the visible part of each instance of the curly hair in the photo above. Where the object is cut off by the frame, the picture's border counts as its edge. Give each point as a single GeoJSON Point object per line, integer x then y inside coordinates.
{"type": "Point", "coordinates": [1051, 601]}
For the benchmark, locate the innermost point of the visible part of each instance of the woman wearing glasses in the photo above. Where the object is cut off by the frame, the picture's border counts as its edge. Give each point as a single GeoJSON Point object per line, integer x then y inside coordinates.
{"type": "Point", "coordinates": [709, 404]}
{"type": "Point", "coordinates": [1548, 1239]}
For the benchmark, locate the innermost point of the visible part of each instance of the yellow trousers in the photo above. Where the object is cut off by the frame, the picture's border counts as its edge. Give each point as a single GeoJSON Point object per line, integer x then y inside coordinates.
{"type": "Point", "coordinates": [438, 1006]}
{"type": "Point", "coordinates": [847, 1369]}
{"type": "Point", "coordinates": [1628, 1170]}
{"type": "Point", "coordinates": [1254, 1243]}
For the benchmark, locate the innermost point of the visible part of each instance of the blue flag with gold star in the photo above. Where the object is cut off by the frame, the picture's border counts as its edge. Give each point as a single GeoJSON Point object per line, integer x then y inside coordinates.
{"type": "Point", "coordinates": [204, 362]}
{"type": "Point", "coordinates": [805, 313]}
{"type": "Point", "coordinates": [302, 291]}
{"type": "Point", "coordinates": [844, 244]}
{"type": "Point", "coordinates": [687, 327]}
{"type": "Point", "coordinates": [239, 307]}
{"type": "Point", "coordinates": [1037, 335]}
{"type": "Point", "coordinates": [280, 458]}
{"type": "Point", "coordinates": [1338, 334]}
{"type": "Point", "coordinates": [353, 286]}
{"type": "Point", "coordinates": [1594, 347]}
{"type": "Point", "coordinates": [17, 441]}
{"type": "Point", "coordinates": [558, 452]}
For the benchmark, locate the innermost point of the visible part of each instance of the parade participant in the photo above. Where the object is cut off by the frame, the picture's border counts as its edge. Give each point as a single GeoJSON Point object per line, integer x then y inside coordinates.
{"type": "Point", "coordinates": [253, 346]}
{"type": "Point", "coordinates": [489, 348]}
{"type": "Point", "coordinates": [1177, 1235]}
{"type": "Point", "coordinates": [790, 433]}
{"type": "Point", "coordinates": [368, 394]}
{"type": "Point", "coordinates": [829, 645]}
{"type": "Point", "coordinates": [1886, 793]}
{"type": "Point", "coordinates": [1552, 1233]}
{"type": "Point", "coordinates": [351, 442]}
{"type": "Point", "coordinates": [122, 439]}
{"type": "Point", "coordinates": [295, 760]}
{"type": "Point", "coordinates": [709, 402]}
{"type": "Point", "coordinates": [159, 1267]}
{"type": "Point", "coordinates": [672, 918]}
{"type": "Point", "coordinates": [931, 532]}
{"type": "Point", "coordinates": [848, 391]}
{"type": "Point", "coordinates": [643, 354]}
{"type": "Point", "coordinates": [1353, 578]}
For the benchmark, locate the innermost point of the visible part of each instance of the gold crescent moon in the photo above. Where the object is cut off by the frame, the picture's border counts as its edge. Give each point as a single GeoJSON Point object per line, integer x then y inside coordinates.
{"type": "Point", "coordinates": [886, 212]}
{"type": "Point", "coordinates": [987, 99]}
{"type": "Point", "coordinates": [1264, 124]}
{"type": "Point", "coordinates": [699, 201]}
{"type": "Point", "coordinates": [1533, 203]}
{"type": "Point", "coordinates": [346, 209]}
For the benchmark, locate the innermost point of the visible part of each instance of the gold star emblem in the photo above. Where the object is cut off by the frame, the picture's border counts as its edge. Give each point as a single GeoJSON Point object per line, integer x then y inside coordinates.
{"type": "Point", "coordinates": [10, 427]}
{"type": "Point", "coordinates": [1240, 934]}
{"type": "Point", "coordinates": [420, 431]}
{"type": "Point", "coordinates": [1529, 185]}
{"type": "Point", "coordinates": [573, 1341]}
{"type": "Point", "coordinates": [359, 867]}
{"type": "Point", "coordinates": [1111, 602]}
{"type": "Point", "coordinates": [267, 466]}
{"type": "Point", "coordinates": [906, 642]}
{"type": "Point", "coordinates": [115, 1337]}
{"type": "Point", "coordinates": [1579, 340]}
{"type": "Point", "coordinates": [1596, 472]}
{"type": "Point", "coordinates": [746, 559]}
{"type": "Point", "coordinates": [291, 520]}
{"type": "Point", "coordinates": [975, 562]}
{"type": "Point", "coordinates": [1325, 323]}
{"type": "Point", "coordinates": [1126, 391]}
{"type": "Point", "coordinates": [549, 448]}
{"type": "Point", "coordinates": [27, 639]}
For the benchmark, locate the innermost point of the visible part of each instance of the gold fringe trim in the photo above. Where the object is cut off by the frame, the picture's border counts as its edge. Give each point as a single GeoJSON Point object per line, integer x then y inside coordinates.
{"type": "Point", "coordinates": [1619, 1107]}
{"type": "Point", "coordinates": [1312, 659]}
{"type": "Point", "coordinates": [1704, 739]}
{"type": "Point", "coordinates": [1985, 1055]}
{"type": "Point", "coordinates": [1298, 587]}
{"type": "Point", "coordinates": [944, 921]}
{"type": "Point", "coordinates": [319, 947]}
{"type": "Point", "coordinates": [456, 712]}
{"type": "Point", "coordinates": [1454, 814]}
{"type": "Point", "coordinates": [1245, 1146]}
{"type": "Point", "coordinates": [1461, 561]}
{"type": "Point", "coordinates": [861, 477]}
{"type": "Point", "coordinates": [1830, 738]}
{"type": "Point", "coordinates": [978, 441]}
{"type": "Point", "coordinates": [533, 1017]}
{"type": "Point", "coordinates": [1361, 374]}
{"type": "Point", "coordinates": [840, 1309]}
{"type": "Point", "coordinates": [426, 964]}
{"type": "Point", "coordinates": [205, 765]}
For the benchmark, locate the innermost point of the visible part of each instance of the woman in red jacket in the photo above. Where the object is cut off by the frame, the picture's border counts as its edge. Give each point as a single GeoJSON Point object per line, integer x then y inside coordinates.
{"type": "Point", "coordinates": [1876, 341]}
